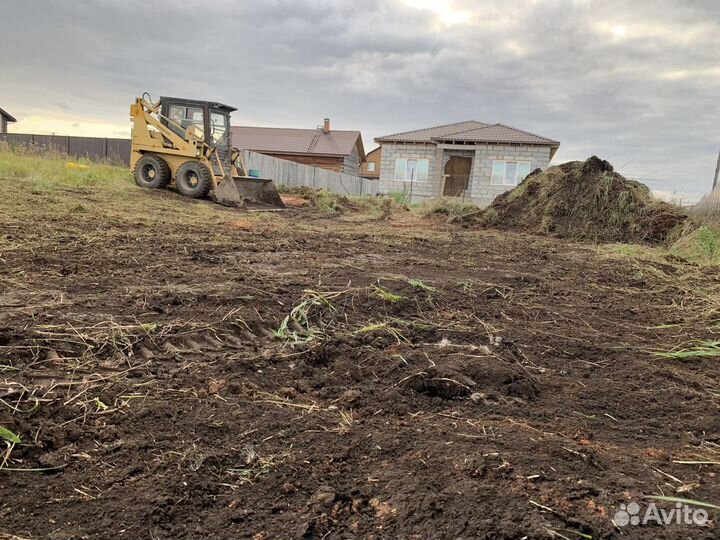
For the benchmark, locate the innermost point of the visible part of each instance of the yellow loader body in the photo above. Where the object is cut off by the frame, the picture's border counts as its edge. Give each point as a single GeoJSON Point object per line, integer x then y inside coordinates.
{"type": "Point", "coordinates": [187, 143]}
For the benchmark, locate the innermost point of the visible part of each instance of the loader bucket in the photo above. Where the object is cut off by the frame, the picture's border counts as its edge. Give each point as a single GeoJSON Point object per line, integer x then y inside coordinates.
{"type": "Point", "coordinates": [246, 191]}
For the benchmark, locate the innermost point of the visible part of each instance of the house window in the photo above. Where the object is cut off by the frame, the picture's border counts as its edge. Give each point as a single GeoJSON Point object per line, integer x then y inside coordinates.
{"type": "Point", "coordinates": [509, 173]}
{"type": "Point", "coordinates": [411, 169]}
{"type": "Point", "coordinates": [371, 167]}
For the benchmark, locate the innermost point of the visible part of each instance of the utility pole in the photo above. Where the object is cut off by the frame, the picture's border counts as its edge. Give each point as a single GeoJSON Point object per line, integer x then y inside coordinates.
{"type": "Point", "coordinates": [717, 172]}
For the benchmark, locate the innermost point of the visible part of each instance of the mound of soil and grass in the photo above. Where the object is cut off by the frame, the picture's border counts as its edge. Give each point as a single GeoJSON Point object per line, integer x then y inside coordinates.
{"type": "Point", "coordinates": [317, 198]}
{"type": "Point", "coordinates": [453, 211]}
{"type": "Point", "coordinates": [585, 201]}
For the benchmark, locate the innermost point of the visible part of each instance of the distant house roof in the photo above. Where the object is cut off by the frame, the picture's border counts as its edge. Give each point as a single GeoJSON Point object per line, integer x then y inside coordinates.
{"type": "Point", "coordinates": [298, 141]}
{"type": "Point", "coordinates": [470, 131]}
{"type": "Point", "coordinates": [7, 116]}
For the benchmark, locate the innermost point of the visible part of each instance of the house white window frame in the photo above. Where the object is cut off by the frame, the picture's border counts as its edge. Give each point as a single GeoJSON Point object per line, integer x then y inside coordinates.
{"type": "Point", "coordinates": [371, 166]}
{"type": "Point", "coordinates": [419, 178]}
{"type": "Point", "coordinates": [504, 181]}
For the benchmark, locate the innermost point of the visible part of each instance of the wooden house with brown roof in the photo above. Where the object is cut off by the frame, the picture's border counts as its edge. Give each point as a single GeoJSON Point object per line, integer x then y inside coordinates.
{"type": "Point", "coordinates": [334, 150]}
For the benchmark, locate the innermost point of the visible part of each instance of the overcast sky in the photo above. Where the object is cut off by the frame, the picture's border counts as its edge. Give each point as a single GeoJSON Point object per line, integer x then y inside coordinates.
{"type": "Point", "coordinates": [635, 82]}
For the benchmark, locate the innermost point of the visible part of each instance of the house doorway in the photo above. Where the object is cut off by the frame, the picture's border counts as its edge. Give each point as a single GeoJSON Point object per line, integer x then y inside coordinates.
{"type": "Point", "coordinates": [457, 176]}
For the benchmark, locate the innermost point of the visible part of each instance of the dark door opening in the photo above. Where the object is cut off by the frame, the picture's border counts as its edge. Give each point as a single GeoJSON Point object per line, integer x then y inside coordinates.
{"type": "Point", "coordinates": [457, 176]}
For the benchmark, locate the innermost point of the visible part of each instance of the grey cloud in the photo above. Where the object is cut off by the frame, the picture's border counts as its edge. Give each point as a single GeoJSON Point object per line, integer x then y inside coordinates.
{"type": "Point", "coordinates": [552, 67]}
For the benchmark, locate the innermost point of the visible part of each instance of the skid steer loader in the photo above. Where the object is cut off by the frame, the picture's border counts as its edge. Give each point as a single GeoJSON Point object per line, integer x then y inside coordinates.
{"type": "Point", "coordinates": [188, 142]}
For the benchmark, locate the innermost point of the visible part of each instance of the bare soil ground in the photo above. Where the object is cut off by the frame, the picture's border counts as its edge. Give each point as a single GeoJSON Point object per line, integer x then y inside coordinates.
{"type": "Point", "coordinates": [431, 382]}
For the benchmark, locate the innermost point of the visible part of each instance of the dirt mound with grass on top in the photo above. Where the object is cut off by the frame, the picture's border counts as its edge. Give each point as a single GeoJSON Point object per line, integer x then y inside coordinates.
{"type": "Point", "coordinates": [316, 198]}
{"type": "Point", "coordinates": [584, 200]}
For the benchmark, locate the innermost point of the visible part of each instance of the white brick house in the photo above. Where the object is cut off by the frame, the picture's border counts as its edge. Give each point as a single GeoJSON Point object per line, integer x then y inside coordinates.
{"type": "Point", "coordinates": [468, 160]}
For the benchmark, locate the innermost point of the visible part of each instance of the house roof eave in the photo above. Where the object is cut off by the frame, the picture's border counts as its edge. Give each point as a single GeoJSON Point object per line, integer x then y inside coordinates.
{"type": "Point", "coordinates": [306, 154]}
{"type": "Point", "coordinates": [8, 117]}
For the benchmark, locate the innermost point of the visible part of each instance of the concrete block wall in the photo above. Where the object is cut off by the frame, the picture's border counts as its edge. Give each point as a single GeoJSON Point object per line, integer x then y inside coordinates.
{"type": "Point", "coordinates": [420, 190]}
{"type": "Point", "coordinates": [482, 191]}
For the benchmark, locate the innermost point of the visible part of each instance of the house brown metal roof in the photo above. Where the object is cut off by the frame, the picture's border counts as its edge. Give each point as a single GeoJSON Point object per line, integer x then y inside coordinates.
{"type": "Point", "coordinates": [429, 134]}
{"type": "Point", "coordinates": [471, 131]}
{"type": "Point", "coordinates": [10, 118]}
{"type": "Point", "coordinates": [499, 133]}
{"type": "Point", "coordinates": [298, 141]}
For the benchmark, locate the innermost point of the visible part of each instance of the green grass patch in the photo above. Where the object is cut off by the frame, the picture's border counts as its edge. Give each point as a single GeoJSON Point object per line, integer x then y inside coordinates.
{"type": "Point", "coordinates": [329, 202]}
{"type": "Point", "coordinates": [701, 245]}
{"type": "Point", "coordinates": [400, 197]}
{"type": "Point", "coordinates": [384, 294]}
{"type": "Point", "coordinates": [449, 208]}
{"type": "Point", "coordinates": [383, 328]}
{"type": "Point", "coordinates": [633, 251]}
{"type": "Point", "coordinates": [38, 188]}
{"type": "Point", "coordinates": [418, 284]}
{"type": "Point", "coordinates": [53, 173]}
{"type": "Point", "coordinates": [628, 250]}
{"type": "Point", "coordinates": [702, 349]}
{"type": "Point", "coordinates": [9, 436]}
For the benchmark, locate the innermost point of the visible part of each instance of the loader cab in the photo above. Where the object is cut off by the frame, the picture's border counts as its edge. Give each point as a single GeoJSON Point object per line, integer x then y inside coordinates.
{"type": "Point", "coordinates": [208, 121]}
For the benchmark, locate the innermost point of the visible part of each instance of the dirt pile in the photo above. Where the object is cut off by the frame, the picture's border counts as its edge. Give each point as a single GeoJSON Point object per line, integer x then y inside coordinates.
{"type": "Point", "coordinates": [453, 211]}
{"type": "Point", "coordinates": [317, 198]}
{"type": "Point", "coordinates": [586, 201]}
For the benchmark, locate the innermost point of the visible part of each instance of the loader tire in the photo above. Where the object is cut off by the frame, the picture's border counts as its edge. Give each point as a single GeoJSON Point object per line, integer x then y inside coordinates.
{"type": "Point", "coordinates": [193, 179]}
{"type": "Point", "coordinates": [151, 171]}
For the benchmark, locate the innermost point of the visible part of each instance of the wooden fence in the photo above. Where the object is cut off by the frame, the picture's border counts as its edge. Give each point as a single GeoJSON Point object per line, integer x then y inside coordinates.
{"type": "Point", "coordinates": [95, 148]}
{"type": "Point", "coordinates": [288, 173]}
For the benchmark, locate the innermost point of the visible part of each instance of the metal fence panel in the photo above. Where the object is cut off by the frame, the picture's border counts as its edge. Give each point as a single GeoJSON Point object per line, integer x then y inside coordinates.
{"type": "Point", "coordinates": [119, 149]}
{"type": "Point", "coordinates": [96, 148]}
{"type": "Point", "coordinates": [87, 147]}
{"type": "Point", "coordinates": [16, 138]}
{"type": "Point", "coordinates": [50, 142]}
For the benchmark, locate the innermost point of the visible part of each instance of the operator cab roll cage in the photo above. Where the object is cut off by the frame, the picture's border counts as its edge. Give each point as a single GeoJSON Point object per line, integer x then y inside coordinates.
{"type": "Point", "coordinates": [188, 112]}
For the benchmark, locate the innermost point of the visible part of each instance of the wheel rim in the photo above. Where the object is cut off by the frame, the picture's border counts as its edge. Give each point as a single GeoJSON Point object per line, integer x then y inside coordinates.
{"type": "Point", "coordinates": [149, 173]}
{"type": "Point", "coordinates": [191, 180]}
